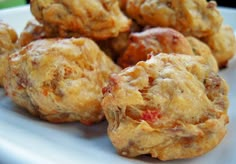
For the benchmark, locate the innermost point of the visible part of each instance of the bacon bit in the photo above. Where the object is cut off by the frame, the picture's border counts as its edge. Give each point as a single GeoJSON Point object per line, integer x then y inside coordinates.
{"type": "Point", "coordinates": [151, 54]}
{"type": "Point", "coordinates": [175, 39]}
{"type": "Point", "coordinates": [19, 87]}
{"type": "Point", "coordinates": [106, 90]}
{"type": "Point", "coordinates": [113, 82]}
{"type": "Point", "coordinates": [68, 71]}
{"type": "Point", "coordinates": [45, 92]}
{"type": "Point", "coordinates": [34, 63]}
{"type": "Point", "coordinates": [150, 80]}
{"type": "Point", "coordinates": [151, 115]}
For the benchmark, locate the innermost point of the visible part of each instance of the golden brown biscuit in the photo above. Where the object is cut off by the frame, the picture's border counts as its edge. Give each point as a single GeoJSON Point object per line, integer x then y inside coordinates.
{"type": "Point", "coordinates": [222, 45]}
{"type": "Point", "coordinates": [98, 19]}
{"type": "Point", "coordinates": [191, 17]}
{"type": "Point", "coordinates": [170, 106]}
{"type": "Point", "coordinates": [32, 31]}
{"type": "Point", "coordinates": [8, 38]}
{"type": "Point", "coordinates": [154, 40]}
{"type": "Point", "coordinates": [59, 80]}
{"type": "Point", "coordinates": [202, 49]}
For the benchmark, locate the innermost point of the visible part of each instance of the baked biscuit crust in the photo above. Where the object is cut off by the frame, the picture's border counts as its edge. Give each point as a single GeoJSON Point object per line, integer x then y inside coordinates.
{"type": "Point", "coordinates": [97, 19]}
{"type": "Point", "coordinates": [170, 106]}
{"type": "Point", "coordinates": [59, 80]}
{"type": "Point", "coordinates": [197, 18]}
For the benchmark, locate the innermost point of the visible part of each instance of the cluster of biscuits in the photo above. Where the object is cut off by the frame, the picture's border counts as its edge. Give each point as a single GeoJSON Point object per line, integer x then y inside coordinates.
{"type": "Point", "coordinates": [149, 66]}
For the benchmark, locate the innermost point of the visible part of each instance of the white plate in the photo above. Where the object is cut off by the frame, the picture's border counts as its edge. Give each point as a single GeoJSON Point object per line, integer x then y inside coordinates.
{"type": "Point", "coordinates": [24, 139]}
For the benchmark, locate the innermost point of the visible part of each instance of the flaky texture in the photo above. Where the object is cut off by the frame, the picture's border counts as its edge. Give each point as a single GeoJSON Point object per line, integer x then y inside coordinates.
{"type": "Point", "coordinates": [8, 38]}
{"type": "Point", "coordinates": [59, 80]}
{"type": "Point", "coordinates": [32, 31]}
{"type": "Point", "coordinates": [171, 106]}
{"type": "Point", "coordinates": [222, 45]}
{"type": "Point", "coordinates": [191, 17]}
{"type": "Point", "coordinates": [153, 40]}
{"type": "Point", "coordinates": [97, 19]}
{"type": "Point", "coordinates": [202, 49]}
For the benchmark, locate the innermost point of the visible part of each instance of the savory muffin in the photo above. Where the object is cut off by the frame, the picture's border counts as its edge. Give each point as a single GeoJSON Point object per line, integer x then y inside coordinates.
{"type": "Point", "coordinates": [59, 80]}
{"type": "Point", "coordinates": [97, 19]}
{"type": "Point", "coordinates": [171, 106]}
{"type": "Point", "coordinates": [222, 45]}
{"type": "Point", "coordinates": [8, 37]}
{"type": "Point", "coordinates": [153, 40]}
{"type": "Point", "coordinates": [197, 18]}
{"type": "Point", "coordinates": [202, 49]}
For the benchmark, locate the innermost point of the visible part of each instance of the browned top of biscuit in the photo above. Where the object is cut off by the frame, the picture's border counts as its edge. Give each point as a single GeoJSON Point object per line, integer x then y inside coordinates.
{"type": "Point", "coordinates": [98, 19]}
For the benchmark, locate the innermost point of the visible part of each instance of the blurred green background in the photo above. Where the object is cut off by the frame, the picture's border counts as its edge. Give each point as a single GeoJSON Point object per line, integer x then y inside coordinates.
{"type": "Point", "coordinates": [11, 3]}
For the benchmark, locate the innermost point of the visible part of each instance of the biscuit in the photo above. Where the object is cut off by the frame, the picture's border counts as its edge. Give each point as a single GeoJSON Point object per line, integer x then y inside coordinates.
{"type": "Point", "coordinates": [97, 19]}
{"type": "Point", "coordinates": [197, 18]}
{"type": "Point", "coordinates": [59, 80]}
{"type": "Point", "coordinates": [171, 106]}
